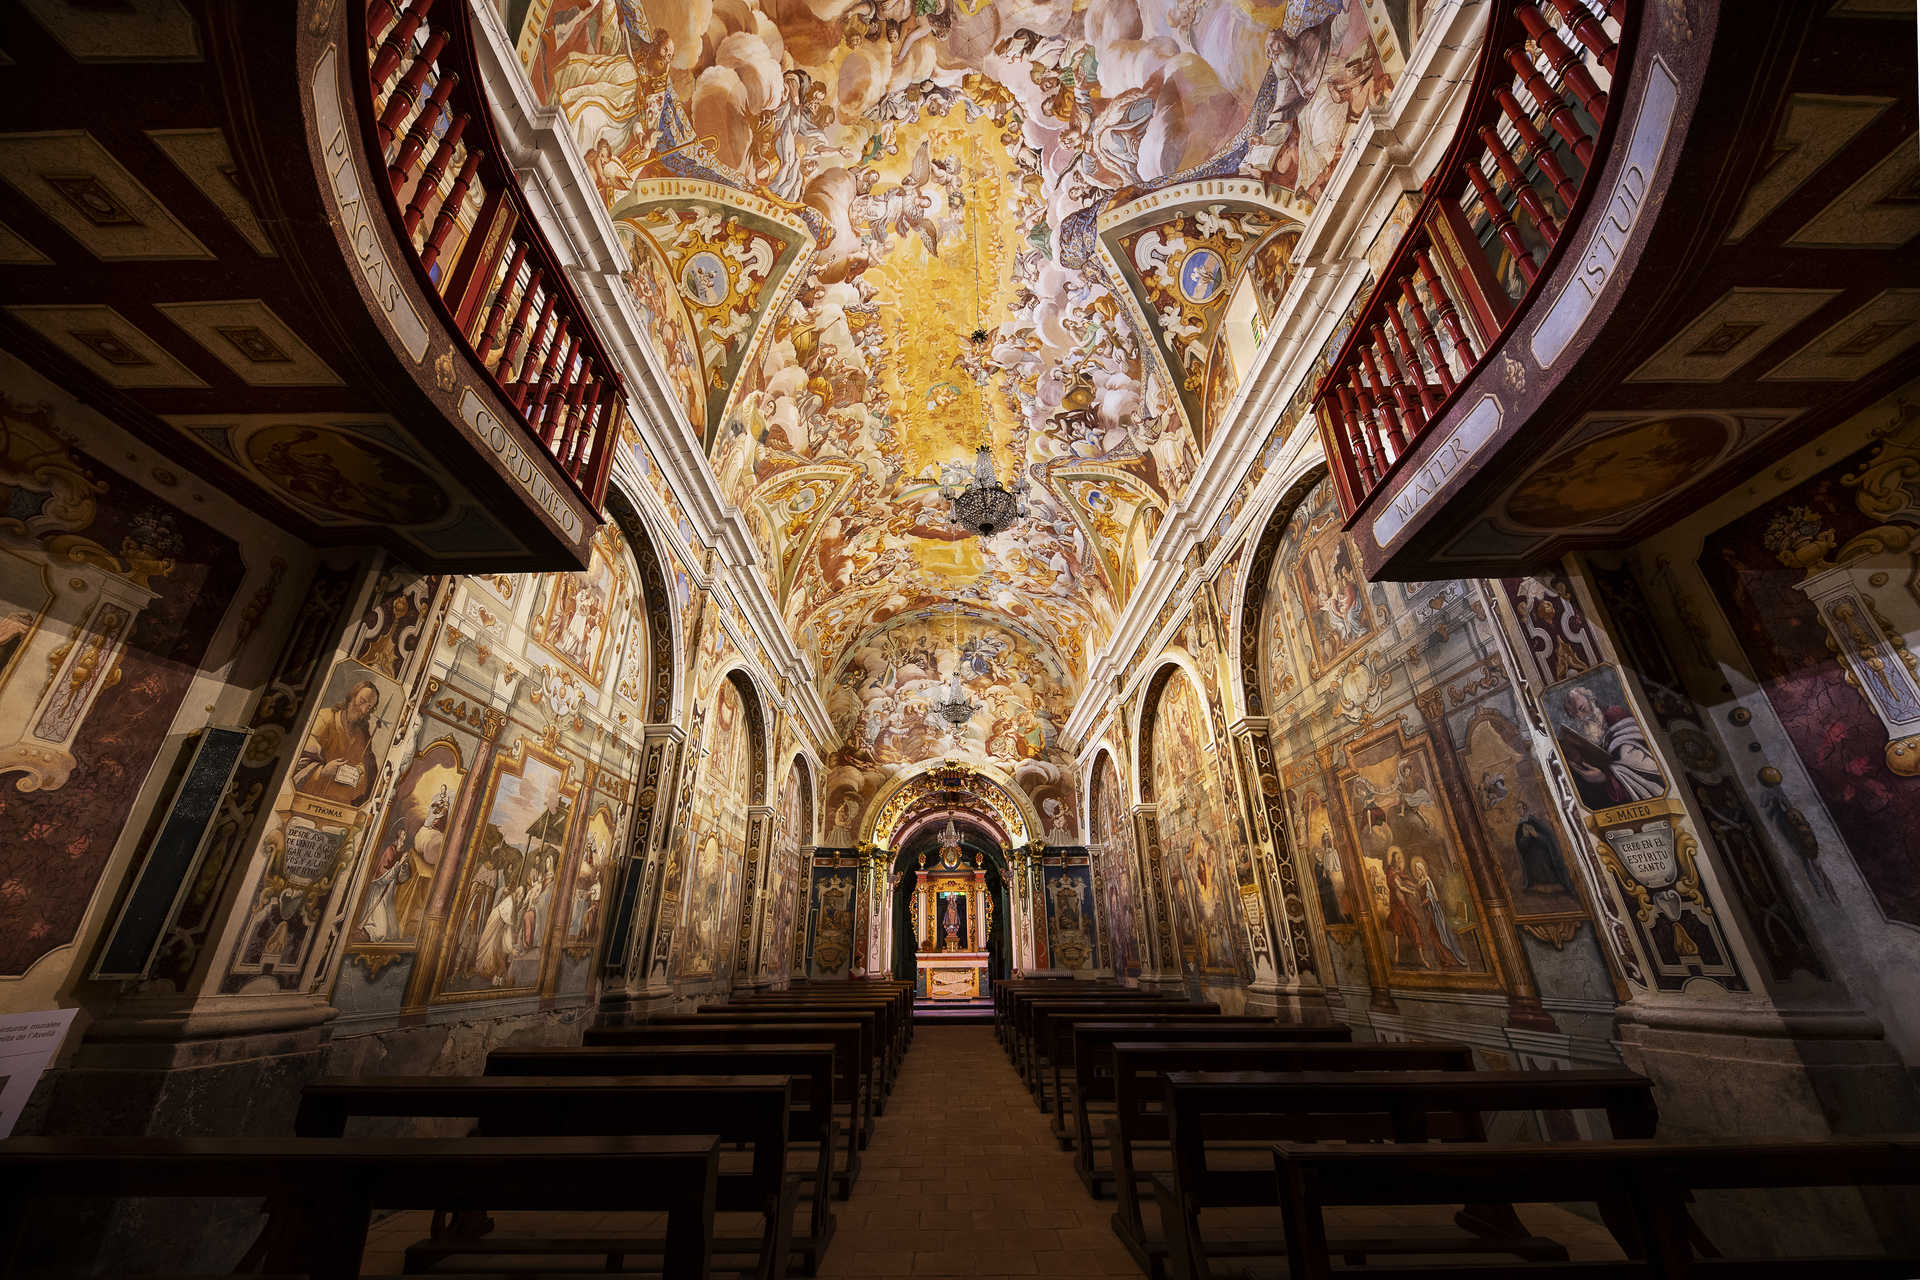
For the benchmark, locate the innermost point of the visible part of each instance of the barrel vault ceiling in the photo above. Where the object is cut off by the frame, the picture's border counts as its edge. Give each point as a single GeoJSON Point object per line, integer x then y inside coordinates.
{"type": "Point", "coordinates": [869, 234]}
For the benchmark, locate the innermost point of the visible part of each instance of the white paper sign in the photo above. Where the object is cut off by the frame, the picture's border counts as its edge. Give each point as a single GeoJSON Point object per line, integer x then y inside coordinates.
{"type": "Point", "coordinates": [28, 1042]}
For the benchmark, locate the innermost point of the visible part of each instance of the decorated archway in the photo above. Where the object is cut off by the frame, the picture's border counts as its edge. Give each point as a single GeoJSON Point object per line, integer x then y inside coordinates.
{"type": "Point", "coordinates": [949, 781]}
{"type": "Point", "coordinates": [906, 812]}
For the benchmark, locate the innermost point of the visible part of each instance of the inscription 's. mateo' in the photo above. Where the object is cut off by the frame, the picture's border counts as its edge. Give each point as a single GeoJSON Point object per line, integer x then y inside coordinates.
{"type": "Point", "coordinates": [343, 176]}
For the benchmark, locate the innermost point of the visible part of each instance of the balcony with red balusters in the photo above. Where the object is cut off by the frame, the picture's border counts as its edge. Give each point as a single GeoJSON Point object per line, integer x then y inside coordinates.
{"type": "Point", "coordinates": [475, 242]}
{"type": "Point", "coordinates": [1492, 219]}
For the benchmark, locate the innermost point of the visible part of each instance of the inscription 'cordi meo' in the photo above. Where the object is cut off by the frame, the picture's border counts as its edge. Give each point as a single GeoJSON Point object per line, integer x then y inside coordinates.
{"type": "Point", "coordinates": [1620, 215]}
{"type": "Point", "coordinates": [329, 115]}
{"type": "Point", "coordinates": [504, 443]}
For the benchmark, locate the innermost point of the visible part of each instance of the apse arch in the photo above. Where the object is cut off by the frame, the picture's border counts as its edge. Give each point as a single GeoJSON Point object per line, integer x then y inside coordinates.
{"type": "Point", "coordinates": [663, 623]}
{"type": "Point", "coordinates": [895, 802]}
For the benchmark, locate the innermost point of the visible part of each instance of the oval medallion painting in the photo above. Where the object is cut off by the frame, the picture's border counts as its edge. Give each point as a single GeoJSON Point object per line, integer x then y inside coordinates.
{"type": "Point", "coordinates": [1613, 473]}
{"type": "Point", "coordinates": [335, 474]}
{"type": "Point", "coordinates": [704, 279]}
{"type": "Point", "coordinates": [1202, 274]}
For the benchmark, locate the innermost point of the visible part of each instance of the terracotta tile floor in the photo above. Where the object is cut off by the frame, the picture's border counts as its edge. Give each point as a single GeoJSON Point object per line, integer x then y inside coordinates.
{"type": "Point", "coordinates": [963, 1178]}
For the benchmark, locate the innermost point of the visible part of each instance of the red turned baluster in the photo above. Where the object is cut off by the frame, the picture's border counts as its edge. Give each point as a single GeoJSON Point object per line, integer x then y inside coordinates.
{"type": "Point", "coordinates": [1392, 434]}
{"type": "Point", "coordinates": [551, 396]}
{"type": "Point", "coordinates": [1358, 432]}
{"type": "Point", "coordinates": [1410, 361]}
{"type": "Point", "coordinates": [521, 339]}
{"type": "Point", "coordinates": [407, 92]}
{"type": "Point", "coordinates": [1534, 141]}
{"type": "Point", "coordinates": [1393, 430]}
{"type": "Point", "coordinates": [570, 430]}
{"type": "Point", "coordinates": [1559, 114]}
{"type": "Point", "coordinates": [1429, 340]}
{"type": "Point", "coordinates": [1411, 411]}
{"type": "Point", "coordinates": [497, 310]}
{"type": "Point", "coordinates": [429, 184]}
{"type": "Point", "coordinates": [531, 392]}
{"type": "Point", "coordinates": [1343, 445]}
{"type": "Point", "coordinates": [1588, 31]}
{"type": "Point", "coordinates": [449, 208]}
{"type": "Point", "coordinates": [394, 47]}
{"type": "Point", "coordinates": [1503, 223]}
{"type": "Point", "coordinates": [1521, 187]}
{"type": "Point", "coordinates": [380, 14]}
{"type": "Point", "coordinates": [1449, 314]}
{"type": "Point", "coordinates": [1573, 73]}
{"type": "Point", "coordinates": [416, 141]}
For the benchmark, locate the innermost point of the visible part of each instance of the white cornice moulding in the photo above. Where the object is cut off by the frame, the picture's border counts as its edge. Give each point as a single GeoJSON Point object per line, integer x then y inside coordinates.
{"type": "Point", "coordinates": [1377, 166]}
{"type": "Point", "coordinates": [574, 220]}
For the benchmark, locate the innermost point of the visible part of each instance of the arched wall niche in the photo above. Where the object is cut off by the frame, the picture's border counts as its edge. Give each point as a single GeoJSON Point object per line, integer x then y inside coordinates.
{"type": "Point", "coordinates": [1254, 601]}
{"type": "Point", "coordinates": [719, 854]}
{"type": "Point", "coordinates": [1118, 880]}
{"type": "Point", "coordinates": [787, 864]}
{"type": "Point", "coordinates": [663, 625]}
{"type": "Point", "coordinates": [1191, 825]}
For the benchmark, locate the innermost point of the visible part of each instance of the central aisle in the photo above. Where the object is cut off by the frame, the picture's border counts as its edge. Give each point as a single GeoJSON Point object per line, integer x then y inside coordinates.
{"type": "Point", "coordinates": [964, 1179]}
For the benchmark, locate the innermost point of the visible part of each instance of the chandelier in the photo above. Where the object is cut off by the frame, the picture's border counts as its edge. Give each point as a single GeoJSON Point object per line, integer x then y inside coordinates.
{"type": "Point", "coordinates": [956, 708]}
{"type": "Point", "coordinates": [978, 499]}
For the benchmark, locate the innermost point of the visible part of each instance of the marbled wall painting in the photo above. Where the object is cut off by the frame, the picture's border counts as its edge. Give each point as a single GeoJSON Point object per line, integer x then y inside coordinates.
{"type": "Point", "coordinates": [1196, 832]}
{"type": "Point", "coordinates": [109, 598]}
{"type": "Point", "coordinates": [717, 839]}
{"type": "Point", "coordinates": [1818, 585]}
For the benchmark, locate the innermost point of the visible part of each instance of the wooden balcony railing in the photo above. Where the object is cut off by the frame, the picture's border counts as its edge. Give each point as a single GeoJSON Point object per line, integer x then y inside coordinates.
{"type": "Point", "coordinates": [1491, 225]}
{"type": "Point", "coordinates": [477, 247]}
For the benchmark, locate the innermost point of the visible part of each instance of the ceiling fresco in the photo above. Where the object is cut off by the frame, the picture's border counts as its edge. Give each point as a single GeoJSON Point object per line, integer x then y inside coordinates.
{"type": "Point", "coordinates": [952, 221]}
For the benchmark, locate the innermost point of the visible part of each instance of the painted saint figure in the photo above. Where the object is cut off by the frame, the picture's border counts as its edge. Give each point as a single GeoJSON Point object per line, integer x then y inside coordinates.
{"type": "Point", "coordinates": [1608, 753]}
{"type": "Point", "coordinates": [336, 761]}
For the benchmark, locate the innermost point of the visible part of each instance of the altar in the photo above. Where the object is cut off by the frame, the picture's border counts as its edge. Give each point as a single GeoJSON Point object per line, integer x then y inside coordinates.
{"type": "Point", "coordinates": [952, 914]}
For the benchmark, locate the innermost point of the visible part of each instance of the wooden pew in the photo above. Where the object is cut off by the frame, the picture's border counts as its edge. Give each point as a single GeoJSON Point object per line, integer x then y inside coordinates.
{"type": "Point", "coordinates": [1007, 998]}
{"type": "Point", "coordinates": [750, 1111]}
{"type": "Point", "coordinates": [1646, 1183]}
{"type": "Point", "coordinates": [1030, 1037]}
{"type": "Point", "coordinates": [1091, 1054]}
{"type": "Point", "coordinates": [853, 1064]}
{"type": "Point", "coordinates": [890, 1031]}
{"type": "Point", "coordinates": [901, 995]}
{"type": "Point", "coordinates": [1140, 1120]}
{"type": "Point", "coordinates": [1401, 1106]}
{"type": "Point", "coordinates": [1007, 990]}
{"type": "Point", "coordinates": [812, 1128]}
{"type": "Point", "coordinates": [1020, 1012]}
{"type": "Point", "coordinates": [874, 1070]}
{"type": "Point", "coordinates": [322, 1191]}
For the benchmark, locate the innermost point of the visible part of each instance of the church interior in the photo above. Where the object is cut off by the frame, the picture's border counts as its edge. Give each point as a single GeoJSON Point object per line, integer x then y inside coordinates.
{"type": "Point", "coordinates": [1169, 638]}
